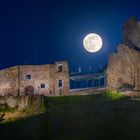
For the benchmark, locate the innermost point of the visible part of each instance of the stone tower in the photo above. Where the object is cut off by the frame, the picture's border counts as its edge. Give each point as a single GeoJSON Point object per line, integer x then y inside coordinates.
{"type": "Point", "coordinates": [123, 72]}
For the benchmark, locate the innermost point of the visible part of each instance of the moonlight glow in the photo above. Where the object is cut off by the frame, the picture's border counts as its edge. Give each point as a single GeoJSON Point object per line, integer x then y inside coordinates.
{"type": "Point", "coordinates": [92, 42]}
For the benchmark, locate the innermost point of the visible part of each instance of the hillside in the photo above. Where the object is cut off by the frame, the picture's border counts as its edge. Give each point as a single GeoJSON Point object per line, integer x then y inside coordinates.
{"type": "Point", "coordinates": [90, 117]}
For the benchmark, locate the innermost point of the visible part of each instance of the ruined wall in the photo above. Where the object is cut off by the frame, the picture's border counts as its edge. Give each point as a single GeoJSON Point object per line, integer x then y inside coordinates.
{"type": "Point", "coordinates": [14, 80]}
{"type": "Point", "coordinates": [8, 81]}
{"type": "Point", "coordinates": [124, 66]}
{"type": "Point", "coordinates": [39, 74]}
{"type": "Point", "coordinates": [131, 33]}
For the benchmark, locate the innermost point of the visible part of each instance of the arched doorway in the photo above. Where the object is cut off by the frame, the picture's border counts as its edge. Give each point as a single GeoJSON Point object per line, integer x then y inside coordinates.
{"type": "Point", "coordinates": [29, 90]}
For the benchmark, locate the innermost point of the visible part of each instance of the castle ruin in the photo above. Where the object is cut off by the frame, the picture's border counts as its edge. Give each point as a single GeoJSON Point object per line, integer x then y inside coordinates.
{"type": "Point", "coordinates": [48, 79]}
{"type": "Point", "coordinates": [123, 72]}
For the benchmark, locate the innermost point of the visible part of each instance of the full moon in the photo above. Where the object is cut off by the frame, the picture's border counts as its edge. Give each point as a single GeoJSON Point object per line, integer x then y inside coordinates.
{"type": "Point", "coordinates": [92, 42]}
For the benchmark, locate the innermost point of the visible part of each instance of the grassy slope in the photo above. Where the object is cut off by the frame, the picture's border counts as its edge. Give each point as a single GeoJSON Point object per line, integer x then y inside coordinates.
{"type": "Point", "coordinates": [92, 117]}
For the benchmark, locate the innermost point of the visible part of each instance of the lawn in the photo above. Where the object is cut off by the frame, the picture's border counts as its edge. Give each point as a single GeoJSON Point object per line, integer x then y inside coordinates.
{"type": "Point", "coordinates": [108, 116]}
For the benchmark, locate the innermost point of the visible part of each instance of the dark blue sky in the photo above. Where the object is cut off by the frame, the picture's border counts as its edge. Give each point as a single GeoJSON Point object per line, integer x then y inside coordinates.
{"type": "Point", "coordinates": [39, 32]}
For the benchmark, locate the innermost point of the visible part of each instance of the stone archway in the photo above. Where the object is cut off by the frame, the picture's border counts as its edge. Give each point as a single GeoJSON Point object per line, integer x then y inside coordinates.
{"type": "Point", "coordinates": [29, 90]}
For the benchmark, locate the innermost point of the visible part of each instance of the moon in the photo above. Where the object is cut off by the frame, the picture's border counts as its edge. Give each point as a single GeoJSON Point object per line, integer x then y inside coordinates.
{"type": "Point", "coordinates": [92, 42]}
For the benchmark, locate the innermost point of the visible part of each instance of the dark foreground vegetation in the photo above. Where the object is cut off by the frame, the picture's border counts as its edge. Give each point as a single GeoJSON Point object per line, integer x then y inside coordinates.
{"type": "Point", "coordinates": [92, 117]}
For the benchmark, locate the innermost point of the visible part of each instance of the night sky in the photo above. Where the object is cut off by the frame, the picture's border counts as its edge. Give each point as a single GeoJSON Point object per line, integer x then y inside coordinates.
{"type": "Point", "coordinates": [41, 32]}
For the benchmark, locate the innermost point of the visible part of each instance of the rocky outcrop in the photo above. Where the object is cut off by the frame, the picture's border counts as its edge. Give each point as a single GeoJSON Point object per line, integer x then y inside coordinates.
{"type": "Point", "coordinates": [33, 102]}
{"type": "Point", "coordinates": [123, 72]}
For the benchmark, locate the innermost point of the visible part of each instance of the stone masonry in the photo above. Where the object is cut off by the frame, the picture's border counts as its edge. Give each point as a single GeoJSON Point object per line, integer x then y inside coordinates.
{"type": "Point", "coordinates": [123, 70]}
{"type": "Point", "coordinates": [48, 79]}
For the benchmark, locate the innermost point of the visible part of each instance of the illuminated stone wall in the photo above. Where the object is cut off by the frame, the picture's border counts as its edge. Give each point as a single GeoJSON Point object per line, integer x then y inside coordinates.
{"type": "Point", "coordinates": [131, 33]}
{"type": "Point", "coordinates": [14, 81]}
{"type": "Point", "coordinates": [124, 65]}
{"type": "Point", "coordinates": [8, 81]}
{"type": "Point", "coordinates": [124, 68]}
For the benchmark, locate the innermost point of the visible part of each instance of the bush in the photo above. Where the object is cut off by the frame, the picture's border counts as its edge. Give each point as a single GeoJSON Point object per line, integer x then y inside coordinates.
{"type": "Point", "coordinates": [112, 95]}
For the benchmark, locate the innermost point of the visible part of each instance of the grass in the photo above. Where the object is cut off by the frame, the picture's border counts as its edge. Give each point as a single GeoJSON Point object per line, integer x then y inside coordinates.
{"type": "Point", "coordinates": [5, 108]}
{"type": "Point", "coordinates": [112, 95]}
{"type": "Point", "coordinates": [109, 116]}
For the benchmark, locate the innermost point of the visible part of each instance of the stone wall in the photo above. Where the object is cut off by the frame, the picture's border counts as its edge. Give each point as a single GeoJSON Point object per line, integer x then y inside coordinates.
{"type": "Point", "coordinates": [64, 76]}
{"type": "Point", "coordinates": [123, 72]}
{"type": "Point", "coordinates": [9, 81]}
{"type": "Point", "coordinates": [39, 74]}
{"type": "Point", "coordinates": [131, 33]}
{"type": "Point", "coordinates": [13, 80]}
{"type": "Point", "coordinates": [123, 68]}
